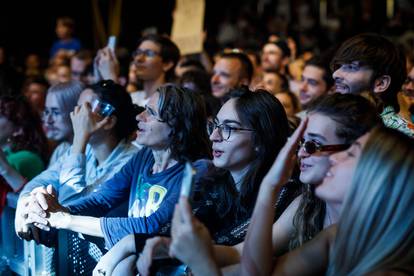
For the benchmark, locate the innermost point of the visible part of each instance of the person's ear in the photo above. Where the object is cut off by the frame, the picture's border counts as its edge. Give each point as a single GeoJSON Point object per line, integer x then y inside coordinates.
{"type": "Point", "coordinates": [382, 83]}
{"type": "Point", "coordinates": [167, 66]}
{"type": "Point", "coordinates": [111, 123]}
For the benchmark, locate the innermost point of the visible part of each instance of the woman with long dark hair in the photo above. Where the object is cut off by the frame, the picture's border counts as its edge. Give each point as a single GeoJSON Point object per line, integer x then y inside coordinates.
{"type": "Point", "coordinates": [246, 135]}
{"type": "Point", "coordinates": [334, 123]}
{"type": "Point", "coordinates": [373, 237]}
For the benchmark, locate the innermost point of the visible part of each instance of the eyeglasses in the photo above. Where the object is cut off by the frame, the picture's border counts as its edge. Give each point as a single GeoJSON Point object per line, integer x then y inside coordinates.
{"type": "Point", "coordinates": [311, 147]}
{"type": "Point", "coordinates": [147, 53]}
{"type": "Point", "coordinates": [153, 113]}
{"type": "Point", "coordinates": [224, 130]}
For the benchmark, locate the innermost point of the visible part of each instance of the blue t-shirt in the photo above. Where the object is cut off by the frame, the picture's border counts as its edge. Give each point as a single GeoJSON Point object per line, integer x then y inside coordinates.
{"type": "Point", "coordinates": [152, 197]}
{"type": "Point", "coordinates": [71, 45]}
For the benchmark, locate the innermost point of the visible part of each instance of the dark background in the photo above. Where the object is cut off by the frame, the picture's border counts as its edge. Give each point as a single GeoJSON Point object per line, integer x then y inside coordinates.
{"type": "Point", "coordinates": [29, 26]}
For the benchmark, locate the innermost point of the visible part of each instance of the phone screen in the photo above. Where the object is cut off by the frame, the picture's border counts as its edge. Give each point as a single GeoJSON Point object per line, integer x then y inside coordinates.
{"type": "Point", "coordinates": [187, 182]}
{"type": "Point", "coordinates": [112, 42]}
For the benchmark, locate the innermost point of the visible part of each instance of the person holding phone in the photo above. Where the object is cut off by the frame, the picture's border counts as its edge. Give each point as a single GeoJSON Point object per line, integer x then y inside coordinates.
{"type": "Point", "coordinates": [154, 61]}
{"type": "Point", "coordinates": [373, 237]}
{"type": "Point", "coordinates": [330, 129]}
{"type": "Point", "coordinates": [172, 128]}
{"type": "Point", "coordinates": [246, 136]}
{"type": "Point", "coordinates": [101, 147]}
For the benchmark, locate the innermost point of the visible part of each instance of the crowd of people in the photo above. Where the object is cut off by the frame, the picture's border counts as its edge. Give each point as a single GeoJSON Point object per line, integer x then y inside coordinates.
{"type": "Point", "coordinates": [302, 163]}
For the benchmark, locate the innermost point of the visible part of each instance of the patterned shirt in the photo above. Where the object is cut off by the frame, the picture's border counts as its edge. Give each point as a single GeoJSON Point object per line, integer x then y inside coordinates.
{"type": "Point", "coordinates": [395, 121]}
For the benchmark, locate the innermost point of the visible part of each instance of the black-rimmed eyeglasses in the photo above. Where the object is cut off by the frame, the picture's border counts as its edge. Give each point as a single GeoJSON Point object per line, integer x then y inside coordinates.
{"type": "Point", "coordinates": [224, 129]}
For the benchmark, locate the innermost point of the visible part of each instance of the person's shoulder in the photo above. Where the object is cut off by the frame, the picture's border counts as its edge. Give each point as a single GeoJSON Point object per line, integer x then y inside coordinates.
{"type": "Point", "coordinates": [285, 220]}
{"type": "Point", "coordinates": [144, 154]}
{"type": "Point", "coordinates": [129, 147]}
{"type": "Point", "coordinates": [207, 172]}
{"type": "Point", "coordinates": [24, 155]}
{"type": "Point", "coordinates": [296, 202]}
{"type": "Point", "coordinates": [27, 163]}
{"type": "Point", "coordinates": [203, 165]}
{"type": "Point", "coordinates": [62, 148]}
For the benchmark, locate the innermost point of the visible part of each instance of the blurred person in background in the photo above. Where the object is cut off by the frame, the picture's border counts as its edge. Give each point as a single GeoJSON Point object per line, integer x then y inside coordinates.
{"type": "Point", "coordinates": [23, 153]}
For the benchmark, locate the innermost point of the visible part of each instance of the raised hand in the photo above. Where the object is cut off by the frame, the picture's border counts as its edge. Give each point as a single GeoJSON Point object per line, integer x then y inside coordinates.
{"type": "Point", "coordinates": [257, 249]}
{"type": "Point", "coordinates": [85, 123]}
{"type": "Point", "coordinates": [106, 65]}
{"type": "Point", "coordinates": [282, 168]}
{"type": "Point", "coordinates": [157, 247]}
{"type": "Point", "coordinates": [191, 241]}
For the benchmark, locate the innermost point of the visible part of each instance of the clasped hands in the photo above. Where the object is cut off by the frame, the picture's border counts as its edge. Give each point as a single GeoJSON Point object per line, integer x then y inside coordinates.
{"type": "Point", "coordinates": [45, 210]}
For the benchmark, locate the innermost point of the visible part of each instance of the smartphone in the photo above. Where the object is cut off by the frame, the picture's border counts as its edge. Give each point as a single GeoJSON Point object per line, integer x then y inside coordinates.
{"type": "Point", "coordinates": [112, 42]}
{"type": "Point", "coordinates": [102, 108]}
{"type": "Point", "coordinates": [188, 179]}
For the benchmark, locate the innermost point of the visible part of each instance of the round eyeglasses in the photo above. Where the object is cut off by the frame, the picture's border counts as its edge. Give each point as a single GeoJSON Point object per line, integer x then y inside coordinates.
{"type": "Point", "coordinates": [311, 147]}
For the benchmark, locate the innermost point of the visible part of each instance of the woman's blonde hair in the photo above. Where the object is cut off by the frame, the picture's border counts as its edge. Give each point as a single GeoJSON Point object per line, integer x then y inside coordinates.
{"type": "Point", "coordinates": [376, 230]}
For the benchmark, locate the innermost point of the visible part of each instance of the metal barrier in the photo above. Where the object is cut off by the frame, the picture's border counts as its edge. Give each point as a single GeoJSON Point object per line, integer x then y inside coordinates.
{"type": "Point", "coordinates": [11, 247]}
{"type": "Point", "coordinates": [77, 255]}
{"type": "Point", "coordinates": [74, 255]}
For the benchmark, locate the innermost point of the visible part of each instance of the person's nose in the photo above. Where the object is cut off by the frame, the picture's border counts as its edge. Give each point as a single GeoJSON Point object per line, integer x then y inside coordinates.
{"type": "Point", "coordinates": [303, 85]}
{"type": "Point", "coordinates": [302, 153]}
{"type": "Point", "coordinates": [215, 135]}
{"type": "Point", "coordinates": [48, 119]}
{"type": "Point", "coordinates": [138, 58]}
{"type": "Point", "coordinates": [215, 79]}
{"type": "Point", "coordinates": [338, 73]}
{"type": "Point", "coordinates": [410, 85]}
{"type": "Point", "coordinates": [141, 116]}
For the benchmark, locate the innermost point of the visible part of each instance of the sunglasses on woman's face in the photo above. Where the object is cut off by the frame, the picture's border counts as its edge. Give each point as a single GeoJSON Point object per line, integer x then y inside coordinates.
{"type": "Point", "coordinates": [311, 147]}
